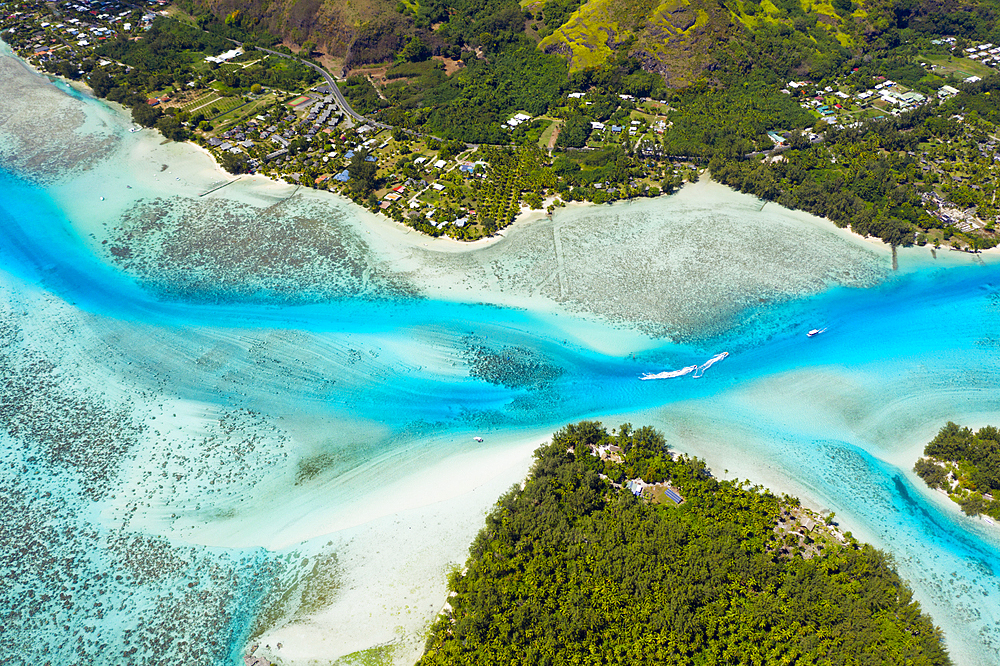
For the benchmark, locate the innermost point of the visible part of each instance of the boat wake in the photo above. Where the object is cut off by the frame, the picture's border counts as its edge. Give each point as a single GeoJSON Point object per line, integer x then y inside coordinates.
{"type": "Point", "coordinates": [708, 364]}
{"type": "Point", "coordinates": [698, 370]}
{"type": "Point", "coordinates": [670, 373]}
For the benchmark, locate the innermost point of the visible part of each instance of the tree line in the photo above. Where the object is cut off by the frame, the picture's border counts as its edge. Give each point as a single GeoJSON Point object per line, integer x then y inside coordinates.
{"type": "Point", "coordinates": [966, 464]}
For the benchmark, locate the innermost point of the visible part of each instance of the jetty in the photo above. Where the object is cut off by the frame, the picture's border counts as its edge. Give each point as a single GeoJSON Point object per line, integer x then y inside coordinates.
{"type": "Point", "coordinates": [218, 187]}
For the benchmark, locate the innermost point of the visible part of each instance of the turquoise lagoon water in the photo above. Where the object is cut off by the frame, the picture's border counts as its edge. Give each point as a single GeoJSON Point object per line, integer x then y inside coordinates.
{"type": "Point", "coordinates": [162, 452]}
{"type": "Point", "coordinates": [922, 347]}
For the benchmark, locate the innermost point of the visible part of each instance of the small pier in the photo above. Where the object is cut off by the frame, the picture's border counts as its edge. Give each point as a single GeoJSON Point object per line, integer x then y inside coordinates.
{"type": "Point", "coordinates": [218, 187]}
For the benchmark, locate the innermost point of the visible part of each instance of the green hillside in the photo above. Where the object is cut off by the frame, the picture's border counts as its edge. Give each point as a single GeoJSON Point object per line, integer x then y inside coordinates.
{"type": "Point", "coordinates": [679, 39]}
{"type": "Point", "coordinates": [624, 94]}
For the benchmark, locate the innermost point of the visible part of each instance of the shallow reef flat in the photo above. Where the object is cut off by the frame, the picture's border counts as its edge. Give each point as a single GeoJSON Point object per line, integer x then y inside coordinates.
{"type": "Point", "coordinates": [688, 267]}
{"type": "Point", "coordinates": [128, 447]}
{"type": "Point", "coordinates": [684, 267]}
{"type": "Point", "coordinates": [216, 250]}
{"type": "Point", "coordinates": [80, 587]}
{"type": "Point", "coordinates": [45, 134]}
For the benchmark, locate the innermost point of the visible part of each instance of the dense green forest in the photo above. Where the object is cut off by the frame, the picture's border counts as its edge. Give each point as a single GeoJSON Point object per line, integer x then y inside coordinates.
{"type": "Point", "coordinates": [967, 465]}
{"type": "Point", "coordinates": [572, 569]}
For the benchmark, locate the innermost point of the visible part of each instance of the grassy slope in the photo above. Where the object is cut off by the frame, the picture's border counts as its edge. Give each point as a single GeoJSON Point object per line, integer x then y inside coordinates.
{"type": "Point", "coordinates": [672, 37]}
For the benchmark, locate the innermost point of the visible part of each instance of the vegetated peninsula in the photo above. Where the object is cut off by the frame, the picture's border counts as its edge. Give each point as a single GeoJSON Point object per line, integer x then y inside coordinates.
{"type": "Point", "coordinates": [966, 465]}
{"type": "Point", "coordinates": [453, 116]}
{"type": "Point", "coordinates": [616, 551]}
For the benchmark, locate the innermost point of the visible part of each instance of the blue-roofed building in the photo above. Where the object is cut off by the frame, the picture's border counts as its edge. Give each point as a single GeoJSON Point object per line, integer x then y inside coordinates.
{"type": "Point", "coordinates": [349, 154]}
{"type": "Point", "coordinates": [343, 176]}
{"type": "Point", "coordinates": [674, 497]}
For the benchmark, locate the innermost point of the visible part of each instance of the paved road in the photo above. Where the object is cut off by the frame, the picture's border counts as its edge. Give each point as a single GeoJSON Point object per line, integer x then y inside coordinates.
{"type": "Point", "coordinates": [342, 101]}
{"type": "Point", "coordinates": [332, 84]}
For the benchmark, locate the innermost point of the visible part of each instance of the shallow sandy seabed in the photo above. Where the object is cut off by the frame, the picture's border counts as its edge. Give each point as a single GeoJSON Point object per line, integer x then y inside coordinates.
{"type": "Point", "coordinates": [256, 462]}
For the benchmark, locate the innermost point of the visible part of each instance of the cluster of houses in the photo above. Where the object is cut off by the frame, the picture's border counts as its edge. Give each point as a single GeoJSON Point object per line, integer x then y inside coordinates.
{"type": "Point", "coordinates": [235, 139]}
{"type": "Point", "coordinates": [605, 130]}
{"type": "Point", "coordinates": [819, 103]}
{"type": "Point", "coordinates": [894, 98]}
{"type": "Point", "coordinates": [633, 128]}
{"type": "Point", "coordinates": [894, 95]}
{"type": "Point", "coordinates": [419, 187]}
{"type": "Point", "coordinates": [963, 220]}
{"type": "Point", "coordinates": [988, 54]}
{"type": "Point", "coordinates": [517, 120]}
{"type": "Point", "coordinates": [283, 129]}
{"type": "Point", "coordinates": [323, 115]}
{"type": "Point", "coordinates": [276, 129]}
{"type": "Point", "coordinates": [68, 30]}
{"type": "Point", "coordinates": [657, 492]}
{"type": "Point", "coordinates": [886, 95]}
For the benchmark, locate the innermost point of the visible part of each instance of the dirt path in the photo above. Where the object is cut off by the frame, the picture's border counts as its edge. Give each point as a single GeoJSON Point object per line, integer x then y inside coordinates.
{"type": "Point", "coordinates": [554, 137]}
{"type": "Point", "coordinates": [554, 128]}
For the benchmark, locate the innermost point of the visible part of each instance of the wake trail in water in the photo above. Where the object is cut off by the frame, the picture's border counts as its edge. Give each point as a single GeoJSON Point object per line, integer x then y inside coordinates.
{"type": "Point", "coordinates": [698, 370]}
{"type": "Point", "coordinates": [669, 374]}
{"type": "Point", "coordinates": [708, 364]}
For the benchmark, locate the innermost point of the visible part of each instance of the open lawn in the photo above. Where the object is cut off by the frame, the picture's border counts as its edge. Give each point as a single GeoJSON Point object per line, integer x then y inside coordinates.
{"type": "Point", "coordinates": [241, 112]}
{"type": "Point", "coordinates": [962, 68]}
{"type": "Point", "coordinates": [549, 135]}
{"type": "Point", "coordinates": [872, 113]}
{"type": "Point", "coordinates": [175, 12]}
{"type": "Point", "coordinates": [211, 101]}
{"type": "Point", "coordinates": [650, 118]}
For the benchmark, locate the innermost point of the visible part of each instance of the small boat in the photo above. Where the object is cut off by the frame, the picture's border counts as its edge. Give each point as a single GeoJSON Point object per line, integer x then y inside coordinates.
{"type": "Point", "coordinates": [816, 331]}
{"type": "Point", "coordinates": [478, 439]}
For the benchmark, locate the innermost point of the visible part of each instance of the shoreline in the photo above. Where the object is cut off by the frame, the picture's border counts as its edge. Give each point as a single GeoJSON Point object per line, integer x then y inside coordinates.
{"type": "Point", "coordinates": [363, 618]}
{"type": "Point", "coordinates": [446, 243]}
